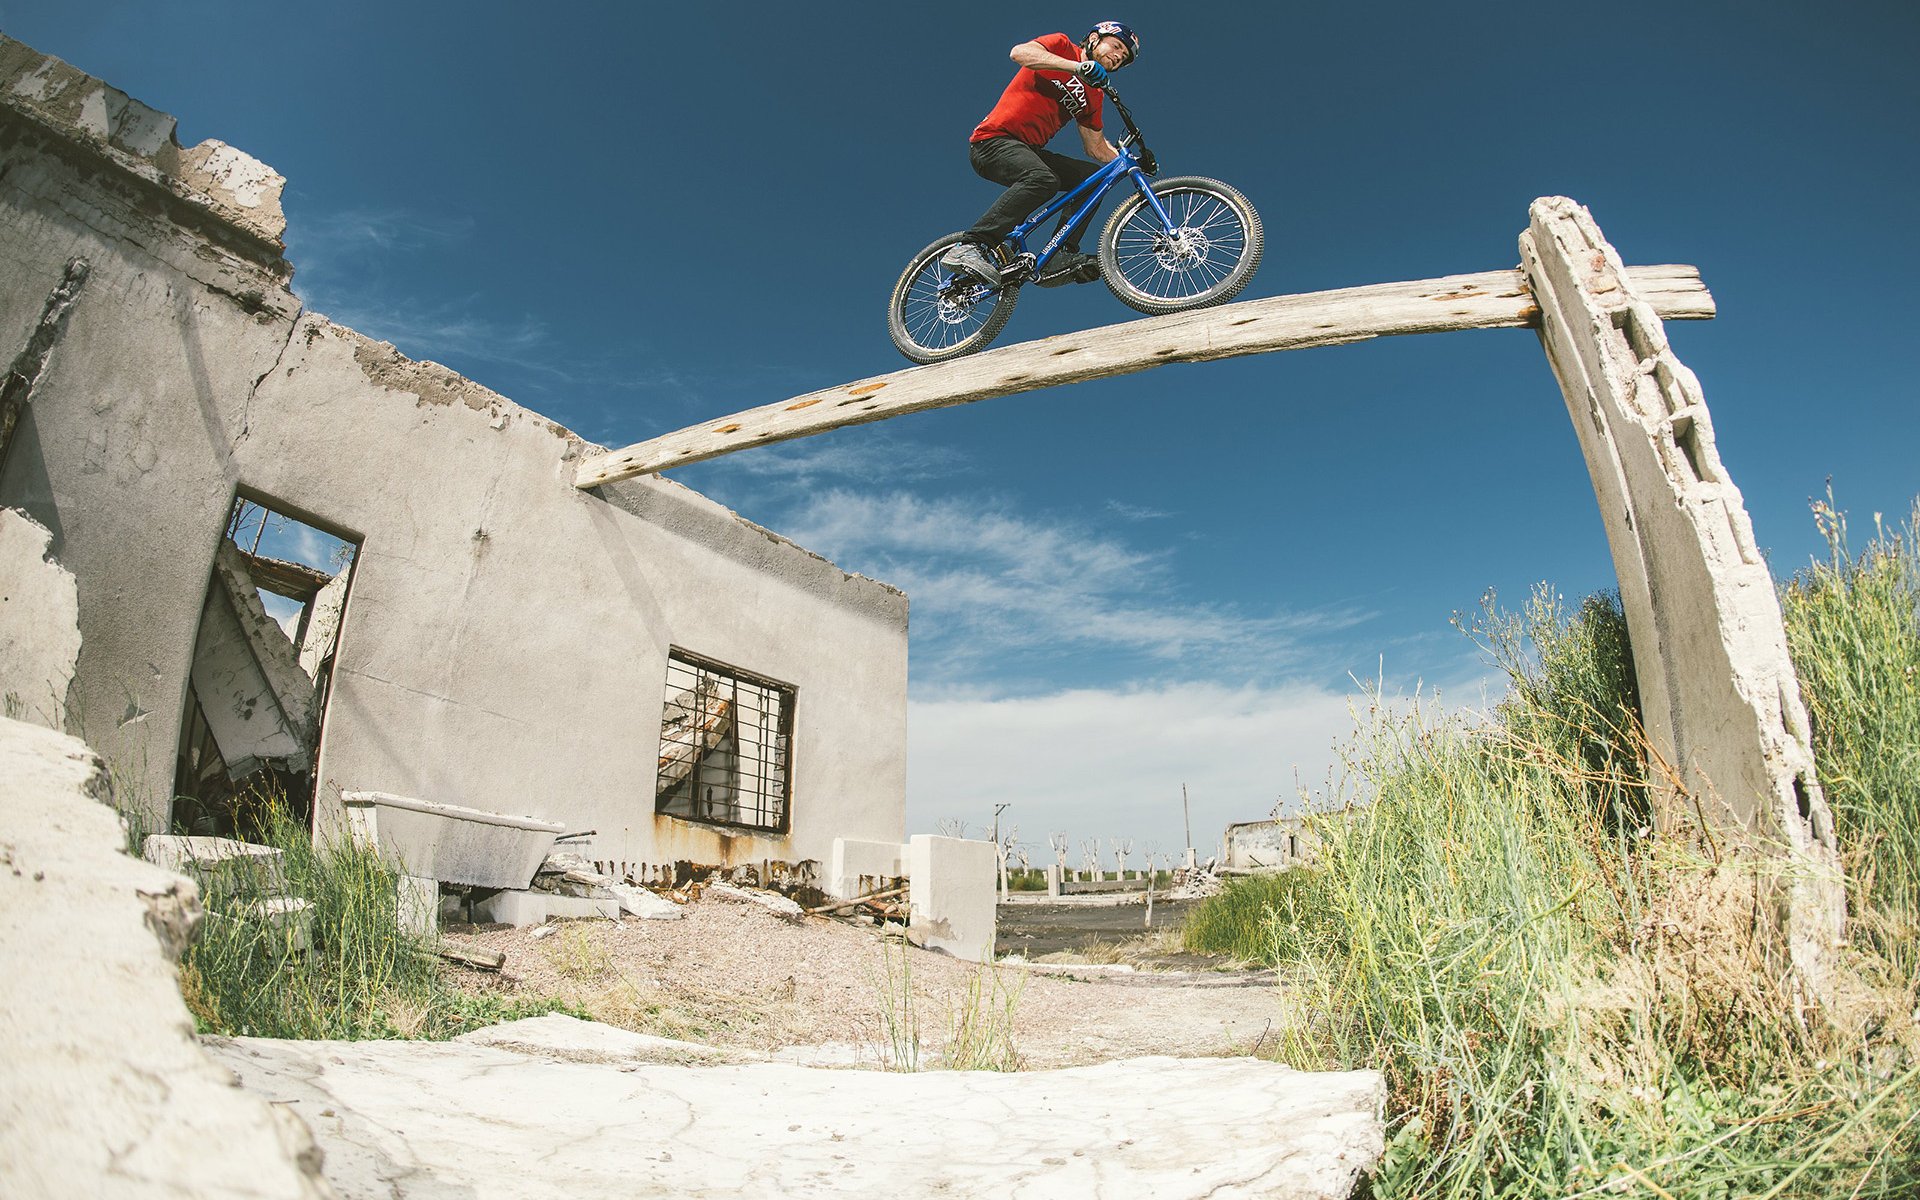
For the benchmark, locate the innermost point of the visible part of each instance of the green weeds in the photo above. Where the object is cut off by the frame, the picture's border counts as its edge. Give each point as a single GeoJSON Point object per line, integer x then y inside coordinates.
{"type": "Point", "coordinates": [1254, 918]}
{"type": "Point", "coordinates": [362, 977]}
{"type": "Point", "coordinates": [1566, 1003]}
{"type": "Point", "coordinates": [1855, 639]}
{"type": "Point", "coordinates": [979, 1020]}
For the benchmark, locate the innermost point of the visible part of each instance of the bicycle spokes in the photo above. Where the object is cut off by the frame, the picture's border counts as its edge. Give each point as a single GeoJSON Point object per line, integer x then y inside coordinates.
{"type": "Point", "coordinates": [940, 312]}
{"type": "Point", "coordinates": [1206, 242]}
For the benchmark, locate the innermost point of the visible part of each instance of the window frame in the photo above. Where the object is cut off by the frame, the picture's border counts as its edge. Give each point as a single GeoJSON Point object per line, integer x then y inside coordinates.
{"type": "Point", "coordinates": [777, 754]}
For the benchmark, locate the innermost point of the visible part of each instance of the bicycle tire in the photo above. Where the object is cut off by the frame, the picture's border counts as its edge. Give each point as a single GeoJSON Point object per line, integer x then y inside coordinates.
{"type": "Point", "coordinates": [1216, 256]}
{"type": "Point", "coordinates": [932, 319]}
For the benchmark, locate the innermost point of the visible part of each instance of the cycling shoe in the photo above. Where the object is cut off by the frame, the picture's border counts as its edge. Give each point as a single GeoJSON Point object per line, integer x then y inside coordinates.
{"type": "Point", "coordinates": [970, 259]}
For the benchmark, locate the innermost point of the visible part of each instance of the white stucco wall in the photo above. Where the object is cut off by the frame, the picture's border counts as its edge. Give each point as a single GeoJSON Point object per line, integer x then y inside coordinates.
{"type": "Point", "coordinates": [505, 637]}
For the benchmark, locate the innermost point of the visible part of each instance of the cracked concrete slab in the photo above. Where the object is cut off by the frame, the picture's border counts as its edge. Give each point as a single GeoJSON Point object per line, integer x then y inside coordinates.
{"type": "Point", "coordinates": [566, 1115]}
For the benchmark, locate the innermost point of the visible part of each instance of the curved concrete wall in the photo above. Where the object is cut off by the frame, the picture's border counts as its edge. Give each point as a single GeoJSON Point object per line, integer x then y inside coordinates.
{"type": "Point", "coordinates": [1718, 691]}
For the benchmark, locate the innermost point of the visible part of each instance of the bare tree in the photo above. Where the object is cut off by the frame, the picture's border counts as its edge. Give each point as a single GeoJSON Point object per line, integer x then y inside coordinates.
{"type": "Point", "coordinates": [1121, 848]}
{"type": "Point", "coordinates": [1090, 859]}
{"type": "Point", "coordinates": [952, 827]}
{"type": "Point", "coordinates": [1003, 851]}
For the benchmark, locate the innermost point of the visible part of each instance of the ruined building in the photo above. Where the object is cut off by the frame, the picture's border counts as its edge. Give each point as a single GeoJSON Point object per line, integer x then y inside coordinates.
{"type": "Point", "coordinates": [634, 660]}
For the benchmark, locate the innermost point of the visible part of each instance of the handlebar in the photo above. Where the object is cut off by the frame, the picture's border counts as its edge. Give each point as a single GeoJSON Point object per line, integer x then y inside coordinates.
{"type": "Point", "coordinates": [1126, 118]}
{"type": "Point", "coordinates": [1134, 136]}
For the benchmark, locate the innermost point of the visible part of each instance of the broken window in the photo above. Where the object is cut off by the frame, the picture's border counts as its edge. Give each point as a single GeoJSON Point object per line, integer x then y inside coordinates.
{"type": "Point", "coordinates": [262, 666]}
{"type": "Point", "coordinates": [726, 741]}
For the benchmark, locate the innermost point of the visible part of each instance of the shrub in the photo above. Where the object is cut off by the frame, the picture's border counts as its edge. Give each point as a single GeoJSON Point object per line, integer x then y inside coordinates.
{"type": "Point", "coordinates": [1254, 918]}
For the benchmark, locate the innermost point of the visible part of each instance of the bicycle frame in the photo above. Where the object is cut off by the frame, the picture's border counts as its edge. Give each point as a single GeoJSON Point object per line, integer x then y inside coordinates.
{"type": "Point", "coordinates": [1126, 164]}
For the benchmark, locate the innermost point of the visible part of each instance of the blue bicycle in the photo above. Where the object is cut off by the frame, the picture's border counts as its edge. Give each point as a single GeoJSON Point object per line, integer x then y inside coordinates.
{"type": "Point", "coordinates": [1181, 243]}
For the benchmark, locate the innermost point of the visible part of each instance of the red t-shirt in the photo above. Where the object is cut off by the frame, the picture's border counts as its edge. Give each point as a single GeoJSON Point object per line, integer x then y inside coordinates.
{"type": "Point", "coordinates": [1038, 104]}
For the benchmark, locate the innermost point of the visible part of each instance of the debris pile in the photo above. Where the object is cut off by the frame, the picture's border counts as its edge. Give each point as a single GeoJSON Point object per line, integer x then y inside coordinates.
{"type": "Point", "coordinates": [1195, 883]}
{"type": "Point", "coordinates": [567, 874]}
{"type": "Point", "coordinates": [881, 907]}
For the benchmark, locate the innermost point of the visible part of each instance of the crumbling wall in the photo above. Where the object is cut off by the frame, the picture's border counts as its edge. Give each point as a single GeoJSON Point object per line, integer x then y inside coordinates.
{"type": "Point", "coordinates": [39, 640]}
{"type": "Point", "coordinates": [503, 644]}
{"type": "Point", "coordinates": [1268, 845]}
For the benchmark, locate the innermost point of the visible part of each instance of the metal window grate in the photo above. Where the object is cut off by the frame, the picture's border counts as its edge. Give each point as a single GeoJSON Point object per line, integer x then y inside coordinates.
{"type": "Point", "coordinates": [726, 740]}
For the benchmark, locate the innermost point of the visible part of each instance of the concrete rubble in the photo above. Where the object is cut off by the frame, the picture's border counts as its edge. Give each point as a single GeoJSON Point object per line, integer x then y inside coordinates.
{"type": "Point", "coordinates": [560, 1108]}
{"type": "Point", "coordinates": [253, 875]}
{"type": "Point", "coordinates": [773, 902]}
{"type": "Point", "coordinates": [568, 886]}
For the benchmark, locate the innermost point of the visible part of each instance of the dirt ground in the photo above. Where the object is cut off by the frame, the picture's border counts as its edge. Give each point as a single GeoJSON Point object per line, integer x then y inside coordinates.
{"type": "Point", "coordinates": [734, 975]}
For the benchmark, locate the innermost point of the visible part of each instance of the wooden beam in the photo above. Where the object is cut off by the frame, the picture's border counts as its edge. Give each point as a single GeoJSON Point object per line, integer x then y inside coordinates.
{"type": "Point", "coordinates": [295, 581]}
{"type": "Point", "coordinates": [1489, 300]}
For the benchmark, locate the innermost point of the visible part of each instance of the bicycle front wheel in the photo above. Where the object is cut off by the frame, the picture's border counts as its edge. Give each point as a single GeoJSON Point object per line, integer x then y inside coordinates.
{"type": "Point", "coordinates": [1209, 254]}
{"type": "Point", "coordinates": [937, 314]}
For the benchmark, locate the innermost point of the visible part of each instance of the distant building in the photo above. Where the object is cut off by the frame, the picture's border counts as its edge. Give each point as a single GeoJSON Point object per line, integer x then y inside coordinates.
{"type": "Point", "coordinates": [1270, 845]}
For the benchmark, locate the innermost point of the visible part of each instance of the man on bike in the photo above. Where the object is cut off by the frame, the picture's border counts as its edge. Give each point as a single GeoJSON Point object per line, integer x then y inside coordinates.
{"type": "Point", "coordinates": [1058, 81]}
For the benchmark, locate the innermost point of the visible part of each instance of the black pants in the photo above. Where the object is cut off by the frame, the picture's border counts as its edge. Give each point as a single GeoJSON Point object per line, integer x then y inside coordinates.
{"type": "Point", "coordinates": [1031, 177]}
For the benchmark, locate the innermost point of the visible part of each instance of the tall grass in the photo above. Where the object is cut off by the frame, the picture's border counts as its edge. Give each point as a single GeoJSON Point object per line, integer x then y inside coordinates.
{"type": "Point", "coordinates": [1563, 1002]}
{"type": "Point", "coordinates": [980, 1018]}
{"type": "Point", "coordinates": [1255, 918]}
{"type": "Point", "coordinates": [363, 977]}
{"type": "Point", "coordinates": [1853, 624]}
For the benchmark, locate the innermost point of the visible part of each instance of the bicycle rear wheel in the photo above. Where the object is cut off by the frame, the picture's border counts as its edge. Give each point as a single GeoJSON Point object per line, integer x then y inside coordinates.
{"type": "Point", "coordinates": [936, 315]}
{"type": "Point", "coordinates": [1212, 252]}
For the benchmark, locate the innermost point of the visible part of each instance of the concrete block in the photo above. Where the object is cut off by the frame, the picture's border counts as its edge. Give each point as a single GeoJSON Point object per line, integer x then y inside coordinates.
{"type": "Point", "coordinates": [520, 907]}
{"type": "Point", "coordinates": [220, 864]}
{"type": "Point", "coordinates": [419, 903]}
{"type": "Point", "coordinates": [289, 917]}
{"type": "Point", "coordinates": [454, 844]}
{"type": "Point", "coordinates": [859, 867]}
{"type": "Point", "coordinates": [952, 887]}
{"type": "Point", "coordinates": [39, 624]}
{"type": "Point", "coordinates": [1717, 687]}
{"type": "Point", "coordinates": [1053, 879]}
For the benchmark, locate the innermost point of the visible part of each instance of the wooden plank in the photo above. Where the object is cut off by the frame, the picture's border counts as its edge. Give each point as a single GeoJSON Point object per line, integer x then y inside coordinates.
{"type": "Point", "coordinates": [470, 955]}
{"type": "Point", "coordinates": [295, 581]}
{"type": "Point", "coordinates": [837, 905]}
{"type": "Point", "coordinates": [1489, 300]}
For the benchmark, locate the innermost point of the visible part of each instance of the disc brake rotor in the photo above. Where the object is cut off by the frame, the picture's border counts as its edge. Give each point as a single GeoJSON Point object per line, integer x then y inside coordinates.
{"type": "Point", "coordinates": [1186, 249]}
{"type": "Point", "coordinates": [956, 301]}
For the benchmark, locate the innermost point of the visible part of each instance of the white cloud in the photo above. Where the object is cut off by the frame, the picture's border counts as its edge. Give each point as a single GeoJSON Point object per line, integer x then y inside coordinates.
{"type": "Point", "coordinates": [1103, 763]}
{"type": "Point", "coordinates": [985, 582]}
{"type": "Point", "coordinates": [870, 458]}
{"type": "Point", "coordinates": [1135, 512]}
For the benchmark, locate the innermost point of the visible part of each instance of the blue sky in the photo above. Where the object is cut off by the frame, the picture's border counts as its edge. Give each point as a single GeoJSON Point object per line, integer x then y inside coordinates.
{"type": "Point", "coordinates": [635, 217]}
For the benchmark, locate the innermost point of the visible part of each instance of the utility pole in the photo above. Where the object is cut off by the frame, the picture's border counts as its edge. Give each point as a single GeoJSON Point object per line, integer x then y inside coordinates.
{"type": "Point", "coordinates": [1188, 810]}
